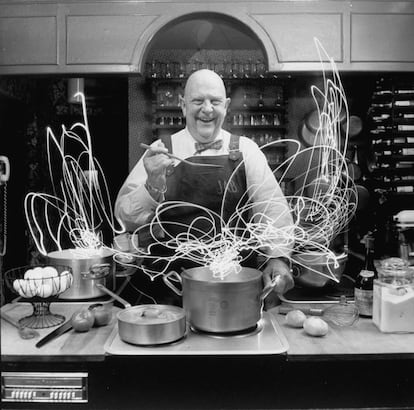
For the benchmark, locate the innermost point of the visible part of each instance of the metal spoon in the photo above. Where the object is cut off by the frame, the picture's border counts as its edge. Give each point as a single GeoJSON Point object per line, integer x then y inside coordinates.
{"type": "Point", "coordinates": [194, 164]}
{"type": "Point", "coordinates": [24, 332]}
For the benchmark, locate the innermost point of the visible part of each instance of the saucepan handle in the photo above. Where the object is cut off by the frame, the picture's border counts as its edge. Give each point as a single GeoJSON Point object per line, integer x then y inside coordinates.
{"type": "Point", "coordinates": [173, 276]}
{"type": "Point", "coordinates": [267, 289]}
{"type": "Point", "coordinates": [97, 271]}
{"type": "Point", "coordinates": [114, 295]}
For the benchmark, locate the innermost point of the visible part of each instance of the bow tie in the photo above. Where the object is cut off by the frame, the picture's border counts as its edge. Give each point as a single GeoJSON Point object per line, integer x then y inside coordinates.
{"type": "Point", "coordinates": [203, 146]}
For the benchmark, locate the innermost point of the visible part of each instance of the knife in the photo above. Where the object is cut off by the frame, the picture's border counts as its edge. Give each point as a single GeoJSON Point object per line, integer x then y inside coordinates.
{"type": "Point", "coordinates": [55, 333]}
{"type": "Point", "coordinates": [62, 329]}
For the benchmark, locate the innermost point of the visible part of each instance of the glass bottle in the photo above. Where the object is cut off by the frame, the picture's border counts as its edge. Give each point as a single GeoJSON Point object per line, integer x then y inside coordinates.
{"type": "Point", "coordinates": [245, 102]}
{"type": "Point", "coordinates": [260, 102]}
{"type": "Point", "coordinates": [364, 282]}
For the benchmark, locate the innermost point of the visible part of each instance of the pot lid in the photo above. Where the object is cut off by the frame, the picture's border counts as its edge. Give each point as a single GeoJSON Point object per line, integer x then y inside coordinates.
{"type": "Point", "coordinates": [151, 314]}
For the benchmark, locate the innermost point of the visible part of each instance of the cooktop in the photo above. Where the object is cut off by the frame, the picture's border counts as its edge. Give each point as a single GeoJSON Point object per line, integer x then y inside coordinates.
{"type": "Point", "coordinates": [266, 339]}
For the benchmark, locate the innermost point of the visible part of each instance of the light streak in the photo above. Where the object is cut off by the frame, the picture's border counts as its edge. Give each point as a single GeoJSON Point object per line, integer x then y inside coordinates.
{"type": "Point", "coordinates": [78, 208]}
{"type": "Point", "coordinates": [321, 209]}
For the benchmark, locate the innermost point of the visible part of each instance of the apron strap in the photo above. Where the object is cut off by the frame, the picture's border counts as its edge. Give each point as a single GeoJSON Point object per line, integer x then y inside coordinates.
{"type": "Point", "coordinates": [234, 147]}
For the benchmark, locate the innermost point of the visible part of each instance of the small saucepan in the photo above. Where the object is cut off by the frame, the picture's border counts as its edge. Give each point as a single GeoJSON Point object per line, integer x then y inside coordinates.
{"type": "Point", "coordinates": [149, 324]}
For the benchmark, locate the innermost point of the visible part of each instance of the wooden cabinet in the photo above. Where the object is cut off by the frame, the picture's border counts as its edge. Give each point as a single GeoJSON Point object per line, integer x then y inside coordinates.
{"type": "Point", "coordinates": [69, 37]}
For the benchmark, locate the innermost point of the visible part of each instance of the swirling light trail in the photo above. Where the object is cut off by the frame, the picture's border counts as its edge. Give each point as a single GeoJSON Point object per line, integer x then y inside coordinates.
{"type": "Point", "coordinates": [79, 207]}
{"type": "Point", "coordinates": [321, 209]}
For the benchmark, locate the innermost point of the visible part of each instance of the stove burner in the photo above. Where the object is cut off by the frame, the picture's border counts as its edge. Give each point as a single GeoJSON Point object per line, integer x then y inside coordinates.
{"type": "Point", "coordinates": [250, 331]}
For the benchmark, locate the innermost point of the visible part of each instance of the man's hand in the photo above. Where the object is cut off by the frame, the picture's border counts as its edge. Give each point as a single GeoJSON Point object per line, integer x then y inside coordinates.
{"type": "Point", "coordinates": [276, 274]}
{"type": "Point", "coordinates": [156, 164]}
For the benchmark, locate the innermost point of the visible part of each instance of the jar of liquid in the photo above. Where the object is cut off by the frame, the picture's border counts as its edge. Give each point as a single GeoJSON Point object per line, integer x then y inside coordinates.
{"type": "Point", "coordinates": [393, 299]}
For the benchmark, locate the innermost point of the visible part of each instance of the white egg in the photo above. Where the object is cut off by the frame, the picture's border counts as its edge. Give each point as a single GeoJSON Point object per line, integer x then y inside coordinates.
{"type": "Point", "coordinates": [31, 288]}
{"type": "Point", "coordinates": [65, 282]}
{"type": "Point", "coordinates": [37, 271]}
{"type": "Point", "coordinates": [45, 290]}
{"type": "Point", "coordinates": [56, 285]}
{"type": "Point", "coordinates": [20, 286]}
{"type": "Point", "coordinates": [28, 274]}
{"type": "Point", "coordinates": [47, 281]}
{"type": "Point", "coordinates": [49, 272]}
{"type": "Point", "coordinates": [16, 284]}
{"type": "Point", "coordinates": [37, 276]}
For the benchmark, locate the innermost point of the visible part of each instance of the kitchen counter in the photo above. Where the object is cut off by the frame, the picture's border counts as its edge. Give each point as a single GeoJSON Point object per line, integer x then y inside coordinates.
{"type": "Point", "coordinates": [71, 346]}
{"type": "Point", "coordinates": [355, 367]}
{"type": "Point", "coordinates": [360, 341]}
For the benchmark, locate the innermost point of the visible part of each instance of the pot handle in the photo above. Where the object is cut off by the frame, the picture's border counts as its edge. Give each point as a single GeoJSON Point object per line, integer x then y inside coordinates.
{"type": "Point", "coordinates": [114, 295]}
{"type": "Point", "coordinates": [296, 272]}
{"type": "Point", "coordinates": [97, 271]}
{"type": "Point", "coordinates": [176, 278]}
{"type": "Point", "coordinates": [266, 291]}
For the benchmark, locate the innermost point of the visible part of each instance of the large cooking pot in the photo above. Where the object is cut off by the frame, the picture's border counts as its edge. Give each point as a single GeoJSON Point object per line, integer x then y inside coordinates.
{"type": "Point", "coordinates": [231, 304]}
{"type": "Point", "coordinates": [149, 324]}
{"type": "Point", "coordinates": [88, 271]}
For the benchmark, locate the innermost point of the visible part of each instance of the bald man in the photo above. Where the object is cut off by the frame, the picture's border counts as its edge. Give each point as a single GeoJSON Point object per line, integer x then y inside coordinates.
{"type": "Point", "coordinates": [157, 178]}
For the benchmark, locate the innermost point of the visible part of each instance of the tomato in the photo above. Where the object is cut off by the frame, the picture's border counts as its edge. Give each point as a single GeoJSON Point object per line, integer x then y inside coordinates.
{"type": "Point", "coordinates": [82, 320]}
{"type": "Point", "coordinates": [103, 315]}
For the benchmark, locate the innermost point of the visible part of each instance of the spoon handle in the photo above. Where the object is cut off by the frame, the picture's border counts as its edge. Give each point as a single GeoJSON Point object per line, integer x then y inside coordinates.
{"type": "Point", "coordinates": [194, 164]}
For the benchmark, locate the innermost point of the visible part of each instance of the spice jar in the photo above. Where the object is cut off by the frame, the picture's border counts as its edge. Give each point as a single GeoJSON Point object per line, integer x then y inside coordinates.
{"type": "Point", "coordinates": [393, 299]}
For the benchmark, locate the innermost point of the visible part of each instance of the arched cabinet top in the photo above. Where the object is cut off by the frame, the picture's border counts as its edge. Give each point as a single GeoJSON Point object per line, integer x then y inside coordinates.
{"type": "Point", "coordinates": [146, 40]}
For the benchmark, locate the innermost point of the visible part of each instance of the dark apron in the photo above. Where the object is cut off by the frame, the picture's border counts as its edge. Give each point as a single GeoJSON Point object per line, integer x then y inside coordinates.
{"type": "Point", "coordinates": [202, 186]}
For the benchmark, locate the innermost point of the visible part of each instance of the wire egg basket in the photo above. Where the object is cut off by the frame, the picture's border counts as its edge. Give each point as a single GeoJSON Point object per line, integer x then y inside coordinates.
{"type": "Point", "coordinates": [40, 285]}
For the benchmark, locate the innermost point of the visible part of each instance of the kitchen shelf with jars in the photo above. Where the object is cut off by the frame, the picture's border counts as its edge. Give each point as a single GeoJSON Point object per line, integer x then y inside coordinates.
{"type": "Point", "coordinates": [257, 108]}
{"type": "Point", "coordinates": [392, 136]}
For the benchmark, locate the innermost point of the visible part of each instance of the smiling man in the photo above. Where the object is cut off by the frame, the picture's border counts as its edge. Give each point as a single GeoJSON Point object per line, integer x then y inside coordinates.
{"type": "Point", "coordinates": [240, 166]}
{"type": "Point", "coordinates": [204, 105]}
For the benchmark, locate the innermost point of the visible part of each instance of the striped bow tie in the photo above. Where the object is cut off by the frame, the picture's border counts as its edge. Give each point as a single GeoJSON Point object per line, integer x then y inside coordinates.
{"type": "Point", "coordinates": [203, 146]}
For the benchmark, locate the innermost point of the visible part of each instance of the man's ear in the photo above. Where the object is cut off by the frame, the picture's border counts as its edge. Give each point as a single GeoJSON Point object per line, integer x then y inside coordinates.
{"type": "Point", "coordinates": [182, 103]}
{"type": "Point", "coordinates": [227, 103]}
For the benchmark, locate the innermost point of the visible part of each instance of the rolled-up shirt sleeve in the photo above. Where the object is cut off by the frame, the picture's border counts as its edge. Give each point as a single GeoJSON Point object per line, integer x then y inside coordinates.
{"type": "Point", "coordinates": [271, 213]}
{"type": "Point", "coordinates": [134, 206]}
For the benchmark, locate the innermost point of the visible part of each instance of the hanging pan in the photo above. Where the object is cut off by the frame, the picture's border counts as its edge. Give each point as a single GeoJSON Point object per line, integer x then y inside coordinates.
{"type": "Point", "coordinates": [309, 127]}
{"type": "Point", "coordinates": [355, 127]}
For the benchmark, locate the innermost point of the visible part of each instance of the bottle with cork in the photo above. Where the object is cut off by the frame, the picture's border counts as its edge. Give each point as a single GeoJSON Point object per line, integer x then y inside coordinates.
{"type": "Point", "coordinates": [364, 282]}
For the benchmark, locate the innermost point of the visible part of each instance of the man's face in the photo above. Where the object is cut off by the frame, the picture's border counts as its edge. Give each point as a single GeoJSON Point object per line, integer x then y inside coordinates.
{"type": "Point", "coordinates": [204, 106]}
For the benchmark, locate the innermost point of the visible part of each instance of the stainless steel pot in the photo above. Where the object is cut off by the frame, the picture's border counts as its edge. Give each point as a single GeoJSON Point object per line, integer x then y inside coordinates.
{"type": "Point", "coordinates": [88, 271]}
{"type": "Point", "coordinates": [312, 271]}
{"type": "Point", "coordinates": [149, 324]}
{"type": "Point", "coordinates": [220, 305]}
